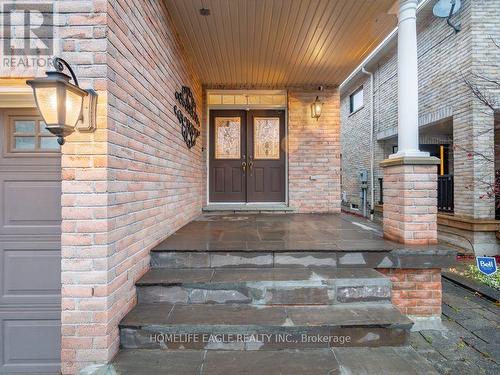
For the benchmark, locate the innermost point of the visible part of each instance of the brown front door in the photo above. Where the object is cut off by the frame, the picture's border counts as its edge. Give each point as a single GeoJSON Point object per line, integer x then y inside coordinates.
{"type": "Point", "coordinates": [228, 156]}
{"type": "Point", "coordinates": [266, 156]}
{"type": "Point", "coordinates": [247, 157]}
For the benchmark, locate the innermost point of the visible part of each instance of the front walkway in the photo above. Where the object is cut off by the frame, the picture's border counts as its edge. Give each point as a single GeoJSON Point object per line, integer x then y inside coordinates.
{"type": "Point", "coordinates": [471, 344]}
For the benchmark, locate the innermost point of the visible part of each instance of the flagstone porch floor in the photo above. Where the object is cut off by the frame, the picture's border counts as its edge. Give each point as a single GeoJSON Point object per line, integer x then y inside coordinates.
{"type": "Point", "coordinates": [348, 240]}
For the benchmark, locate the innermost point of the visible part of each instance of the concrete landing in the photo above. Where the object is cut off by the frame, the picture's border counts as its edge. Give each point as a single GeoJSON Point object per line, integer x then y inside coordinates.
{"type": "Point", "coordinates": [342, 361]}
{"type": "Point", "coordinates": [290, 232]}
{"type": "Point", "coordinates": [282, 240]}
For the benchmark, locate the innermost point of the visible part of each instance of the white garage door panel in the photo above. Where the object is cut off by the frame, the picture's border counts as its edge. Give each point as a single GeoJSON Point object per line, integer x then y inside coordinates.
{"type": "Point", "coordinates": [31, 273]}
{"type": "Point", "coordinates": [30, 204]}
{"type": "Point", "coordinates": [30, 342]}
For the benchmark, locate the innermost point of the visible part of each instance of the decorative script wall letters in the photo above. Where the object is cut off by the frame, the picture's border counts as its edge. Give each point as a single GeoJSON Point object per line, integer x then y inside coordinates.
{"type": "Point", "coordinates": [188, 130]}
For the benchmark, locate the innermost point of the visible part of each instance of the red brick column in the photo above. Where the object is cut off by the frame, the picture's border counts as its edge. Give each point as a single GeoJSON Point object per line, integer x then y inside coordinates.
{"type": "Point", "coordinates": [314, 152]}
{"type": "Point", "coordinates": [410, 217]}
{"type": "Point", "coordinates": [416, 292]}
{"type": "Point", "coordinates": [410, 200]}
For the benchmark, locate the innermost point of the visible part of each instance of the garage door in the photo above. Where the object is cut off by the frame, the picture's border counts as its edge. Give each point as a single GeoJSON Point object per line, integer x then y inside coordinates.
{"type": "Point", "coordinates": [30, 271]}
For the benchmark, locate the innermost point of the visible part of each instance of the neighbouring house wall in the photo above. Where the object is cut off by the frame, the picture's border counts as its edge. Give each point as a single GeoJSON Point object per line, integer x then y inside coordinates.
{"type": "Point", "coordinates": [485, 30]}
{"type": "Point", "coordinates": [355, 136]}
{"type": "Point", "coordinates": [130, 184]}
{"type": "Point", "coordinates": [445, 58]}
{"type": "Point", "coordinates": [314, 152]}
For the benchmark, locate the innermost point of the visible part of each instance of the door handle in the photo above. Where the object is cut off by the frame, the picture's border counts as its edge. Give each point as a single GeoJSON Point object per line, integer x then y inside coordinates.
{"type": "Point", "coordinates": [250, 166]}
{"type": "Point", "coordinates": [244, 166]}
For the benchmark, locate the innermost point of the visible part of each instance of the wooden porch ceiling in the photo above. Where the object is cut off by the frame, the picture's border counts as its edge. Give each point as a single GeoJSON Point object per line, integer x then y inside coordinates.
{"type": "Point", "coordinates": [279, 43]}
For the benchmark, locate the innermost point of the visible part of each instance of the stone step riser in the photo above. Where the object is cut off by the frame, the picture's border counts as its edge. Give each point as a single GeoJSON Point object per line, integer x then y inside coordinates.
{"type": "Point", "coordinates": [238, 259]}
{"type": "Point", "coordinates": [260, 338]}
{"type": "Point", "coordinates": [270, 293]}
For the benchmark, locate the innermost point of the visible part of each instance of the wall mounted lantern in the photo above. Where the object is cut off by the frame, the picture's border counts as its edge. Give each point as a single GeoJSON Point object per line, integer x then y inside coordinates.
{"type": "Point", "coordinates": [63, 104]}
{"type": "Point", "coordinates": [316, 107]}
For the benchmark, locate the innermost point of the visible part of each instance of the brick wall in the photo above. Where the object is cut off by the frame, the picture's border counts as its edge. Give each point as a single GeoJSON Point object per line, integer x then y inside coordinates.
{"type": "Point", "coordinates": [416, 292]}
{"type": "Point", "coordinates": [80, 29]}
{"type": "Point", "coordinates": [445, 58]}
{"type": "Point", "coordinates": [314, 152]}
{"type": "Point", "coordinates": [410, 212]}
{"type": "Point", "coordinates": [132, 182]}
{"type": "Point", "coordinates": [355, 137]}
{"type": "Point", "coordinates": [85, 334]}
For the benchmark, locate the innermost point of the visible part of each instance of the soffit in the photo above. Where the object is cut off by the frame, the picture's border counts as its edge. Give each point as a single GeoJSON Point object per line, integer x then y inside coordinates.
{"type": "Point", "coordinates": [280, 43]}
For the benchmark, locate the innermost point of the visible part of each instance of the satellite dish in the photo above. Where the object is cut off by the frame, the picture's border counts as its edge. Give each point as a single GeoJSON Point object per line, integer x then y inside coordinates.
{"type": "Point", "coordinates": [446, 8]}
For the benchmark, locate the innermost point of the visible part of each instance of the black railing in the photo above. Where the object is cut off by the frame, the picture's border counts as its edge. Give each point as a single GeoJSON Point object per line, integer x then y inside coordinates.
{"type": "Point", "coordinates": [445, 193]}
{"type": "Point", "coordinates": [381, 187]}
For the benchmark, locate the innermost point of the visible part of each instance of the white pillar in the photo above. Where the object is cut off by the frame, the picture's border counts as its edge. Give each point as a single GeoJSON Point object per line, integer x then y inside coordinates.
{"type": "Point", "coordinates": [407, 81]}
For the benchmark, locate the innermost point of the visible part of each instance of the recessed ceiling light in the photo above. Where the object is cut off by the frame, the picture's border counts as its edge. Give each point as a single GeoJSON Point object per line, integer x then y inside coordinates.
{"type": "Point", "coordinates": [205, 12]}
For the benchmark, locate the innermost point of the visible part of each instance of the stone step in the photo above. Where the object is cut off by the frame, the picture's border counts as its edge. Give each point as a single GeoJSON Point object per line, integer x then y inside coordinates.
{"type": "Point", "coordinates": [239, 259]}
{"type": "Point", "coordinates": [271, 254]}
{"type": "Point", "coordinates": [264, 286]}
{"type": "Point", "coordinates": [358, 361]}
{"type": "Point", "coordinates": [247, 327]}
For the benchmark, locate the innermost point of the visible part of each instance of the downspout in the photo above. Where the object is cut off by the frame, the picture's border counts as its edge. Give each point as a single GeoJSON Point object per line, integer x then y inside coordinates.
{"type": "Point", "coordinates": [372, 148]}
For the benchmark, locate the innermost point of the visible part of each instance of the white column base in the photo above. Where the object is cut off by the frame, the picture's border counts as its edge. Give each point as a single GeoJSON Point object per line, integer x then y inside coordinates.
{"type": "Point", "coordinates": [410, 154]}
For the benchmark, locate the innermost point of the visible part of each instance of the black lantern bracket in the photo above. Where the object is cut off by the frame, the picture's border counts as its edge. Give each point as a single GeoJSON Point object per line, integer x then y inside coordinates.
{"type": "Point", "coordinates": [88, 118]}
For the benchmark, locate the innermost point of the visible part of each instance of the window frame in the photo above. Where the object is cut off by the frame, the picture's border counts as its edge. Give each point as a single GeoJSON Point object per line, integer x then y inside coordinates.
{"type": "Point", "coordinates": [37, 134]}
{"type": "Point", "coordinates": [359, 90]}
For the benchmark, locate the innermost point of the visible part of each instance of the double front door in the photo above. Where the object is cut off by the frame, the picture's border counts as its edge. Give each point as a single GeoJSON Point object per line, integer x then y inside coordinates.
{"type": "Point", "coordinates": [247, 156]}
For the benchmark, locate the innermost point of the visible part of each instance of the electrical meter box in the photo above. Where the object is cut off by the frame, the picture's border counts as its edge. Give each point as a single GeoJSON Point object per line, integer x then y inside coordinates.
{"type": "Point", "coordinates": [363, 178]}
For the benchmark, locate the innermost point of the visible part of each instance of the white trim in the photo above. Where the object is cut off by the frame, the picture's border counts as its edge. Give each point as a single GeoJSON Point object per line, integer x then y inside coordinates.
{"type": "Point", "coordinates": [389, 38]}
{"type": "Point", "coordinates": [16, 98]}
{"type": "Point", "coordinates": [247, 93]}
{"type": "Point", "coordinates": [246, 108]}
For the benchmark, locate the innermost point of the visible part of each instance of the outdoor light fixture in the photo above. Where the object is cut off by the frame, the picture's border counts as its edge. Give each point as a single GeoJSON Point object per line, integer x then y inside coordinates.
{"type": "Point", "coordinates": [205, 12]}
{"type": "Point", "coordinates": [316, 107]}
{"type": "Point", "coordinates": [63, 104]}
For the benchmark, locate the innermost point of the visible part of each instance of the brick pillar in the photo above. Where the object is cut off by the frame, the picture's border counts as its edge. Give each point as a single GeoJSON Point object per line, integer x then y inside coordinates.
{"type": "Point", "coordinates": [410, 200]}
{"type": "Point", "coordinates": [314, 152]}
{"type": "Point", "coordinates": [416, 292]}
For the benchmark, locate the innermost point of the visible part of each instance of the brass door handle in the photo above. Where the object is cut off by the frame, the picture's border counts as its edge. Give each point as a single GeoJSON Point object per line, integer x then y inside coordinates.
{"type": "Point", "coordinates": [244, 166]}
{"type": "Point", "coordinates": [250, 166]}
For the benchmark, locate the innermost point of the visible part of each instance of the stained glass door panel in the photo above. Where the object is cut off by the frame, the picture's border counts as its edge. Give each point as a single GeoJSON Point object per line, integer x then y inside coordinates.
{"type": "Point", "coordinates": [227, 137]}
{"type": "Point", "coordinates": [266, 138]}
